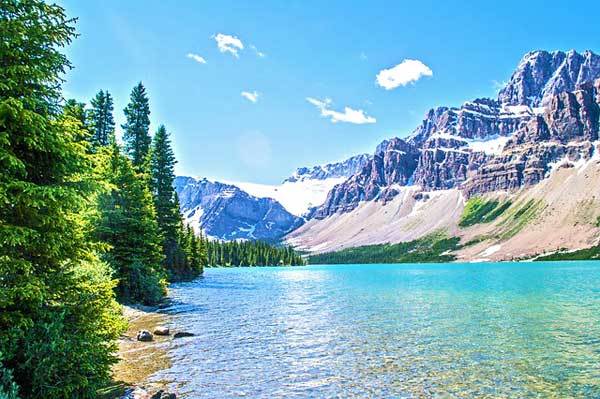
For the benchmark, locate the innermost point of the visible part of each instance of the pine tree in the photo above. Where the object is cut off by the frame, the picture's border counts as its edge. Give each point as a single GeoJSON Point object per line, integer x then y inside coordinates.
{"type": "Point", "coordinates": [128, 224]}
{"type": "Point", "coordinates": [102, 120]}
{"type": "Point", "coordinates": [167, 208]}
{"type": "Point", "coordinates": [58, 317]}
{"type": "Point", "coordinates": [136, 128]}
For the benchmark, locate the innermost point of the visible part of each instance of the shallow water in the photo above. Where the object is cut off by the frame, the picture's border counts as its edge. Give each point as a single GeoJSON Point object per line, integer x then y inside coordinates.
{"type": "Point", "coordinates": [394, 331]}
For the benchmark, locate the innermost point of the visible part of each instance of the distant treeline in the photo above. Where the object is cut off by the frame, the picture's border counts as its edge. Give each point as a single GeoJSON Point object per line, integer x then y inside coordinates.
{"type": "Point", "coordinates": [433, 248]}
{"type": "Point", "coordinates": [250, 253]}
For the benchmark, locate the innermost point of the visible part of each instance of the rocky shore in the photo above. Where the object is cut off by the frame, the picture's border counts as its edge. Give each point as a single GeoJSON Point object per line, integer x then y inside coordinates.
{"type": "Point", "coordinates": [143, 352]}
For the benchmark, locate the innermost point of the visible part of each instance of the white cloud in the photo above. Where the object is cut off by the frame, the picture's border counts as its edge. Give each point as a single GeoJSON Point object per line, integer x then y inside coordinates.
{"type": "Point", "coordinates": [363, 56]}
{"type": "Point", "coordinates": [408, 71]}
{"type": "Point", "coordinates": [228, 44]}
{"type": "Point", "coordinates": [349, 115]}
{"type": "Point", "coordinates": [198, 58]}
{"type": "Point", "coordinates": [257, 51]}
{"type": "Point", "coordinates": [251, 95]}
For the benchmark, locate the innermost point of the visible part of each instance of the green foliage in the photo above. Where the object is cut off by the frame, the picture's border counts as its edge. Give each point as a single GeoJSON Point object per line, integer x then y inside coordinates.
{"type": "Point", "coordinates": [58, 316]}
{"type": "Point", "coordinates": [102, 121]}
{"type": "Point", "coordinates": [478, 210]}
{"type": "Point", "coordinates": [250, 253]}
{"type": "Point", "coordinates": [136, 128]}
{"type": "Point", "coordinates": [597, 221]}
{"type": "Point", "coordinates": [432, 248]}
{"type": "Point", "coordinates": [128, 224]}
{"type": "Point", "coordinates": [76, 110]}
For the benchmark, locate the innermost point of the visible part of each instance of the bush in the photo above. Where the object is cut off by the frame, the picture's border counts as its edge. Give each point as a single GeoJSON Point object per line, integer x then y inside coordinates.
{"type": "Point", "coordinates": [8, 388]}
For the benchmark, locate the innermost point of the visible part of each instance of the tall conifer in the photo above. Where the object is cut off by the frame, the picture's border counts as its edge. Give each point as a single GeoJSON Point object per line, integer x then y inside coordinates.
{"type": "Point", "coordinates": [136, 127]}
{"type": "Point", "coordinates": [102, 120]}
{"type": "Point", "coordinates": [167, 211]}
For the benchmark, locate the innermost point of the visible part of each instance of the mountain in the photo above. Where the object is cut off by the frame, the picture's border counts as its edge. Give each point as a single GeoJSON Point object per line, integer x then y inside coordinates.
{"type": "Point", "coordinates": [542, 129]}
{"type": "Point", "coordinates": [453, 142]}
{"type": "Point", "coordinates": [226, 212]}
{"type": "Point", "coordinates": [242, 210]}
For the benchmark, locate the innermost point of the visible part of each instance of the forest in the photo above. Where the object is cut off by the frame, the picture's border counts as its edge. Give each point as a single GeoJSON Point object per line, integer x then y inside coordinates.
{"type": "Point", "coordinates": [250, 253]}
{"type": "Point", "coordinates": [86, 221]}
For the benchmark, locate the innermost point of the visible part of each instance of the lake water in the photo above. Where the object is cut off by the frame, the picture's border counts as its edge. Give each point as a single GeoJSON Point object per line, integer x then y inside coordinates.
{"type": "Point", "coordinates": [513, 330]}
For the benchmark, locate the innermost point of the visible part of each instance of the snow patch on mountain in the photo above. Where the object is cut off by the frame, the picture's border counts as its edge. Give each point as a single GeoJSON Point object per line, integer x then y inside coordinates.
{"type": "Point", "coordinates": [491, 145]}
{"type": "Point", "coordinates": [296, 197]}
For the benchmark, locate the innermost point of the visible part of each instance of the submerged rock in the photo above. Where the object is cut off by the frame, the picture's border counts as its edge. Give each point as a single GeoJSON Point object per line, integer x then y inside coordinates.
{"type": "Point", "coordinates": [183, 334]}
{"type": "Point", "coordinates": [144, 336]}
{"type": "Point", "coordinates": [135, 393]}
{"type": "Point", "coordinates": [162, 330]}
{"type": "Point", "coordinates": [163, 395]}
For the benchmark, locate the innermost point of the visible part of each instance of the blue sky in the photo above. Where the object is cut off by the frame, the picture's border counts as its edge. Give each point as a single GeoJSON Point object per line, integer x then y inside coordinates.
{"type": "Point", "coordinates": [311, 51]}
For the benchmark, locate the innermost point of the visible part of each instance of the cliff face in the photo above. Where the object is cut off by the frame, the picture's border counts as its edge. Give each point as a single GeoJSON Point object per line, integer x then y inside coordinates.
{"type": "Point", "coordinates": [564, 134]}
{"type": "Point", "coordinates": [547, 111]}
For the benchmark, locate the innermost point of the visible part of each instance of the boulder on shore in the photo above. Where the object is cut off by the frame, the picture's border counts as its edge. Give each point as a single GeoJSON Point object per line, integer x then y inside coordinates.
{"type": "Point", "coordinates": [144, 336]}
{"type": "Point", "coordinates": [162, 330]}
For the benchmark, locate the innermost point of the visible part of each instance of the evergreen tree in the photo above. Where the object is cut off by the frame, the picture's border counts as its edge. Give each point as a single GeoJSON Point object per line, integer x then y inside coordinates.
{"type": "Point", "coordinates": [58, 317]}
{"type": "Point", "coordinates": [167, 210]}
{"type": "Point", "coordinates": [136, 128]}
{"type": "Point", "coordinates": [128, 224]}
{"type": "Point", "coordinates": [102, 120]}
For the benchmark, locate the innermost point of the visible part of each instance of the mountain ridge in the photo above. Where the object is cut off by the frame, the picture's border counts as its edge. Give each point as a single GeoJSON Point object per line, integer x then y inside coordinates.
{"type": "Point", "coordinates": [543, 124]}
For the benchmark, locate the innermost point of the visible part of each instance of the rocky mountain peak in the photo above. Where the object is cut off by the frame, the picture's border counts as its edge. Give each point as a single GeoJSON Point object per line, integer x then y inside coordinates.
{"type": "Point", "coordinates": [542, 74]}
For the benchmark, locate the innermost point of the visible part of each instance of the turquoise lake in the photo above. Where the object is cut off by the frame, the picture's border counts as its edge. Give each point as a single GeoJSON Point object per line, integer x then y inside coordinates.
{"type": "Point", "coordinates": [512, 330]}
